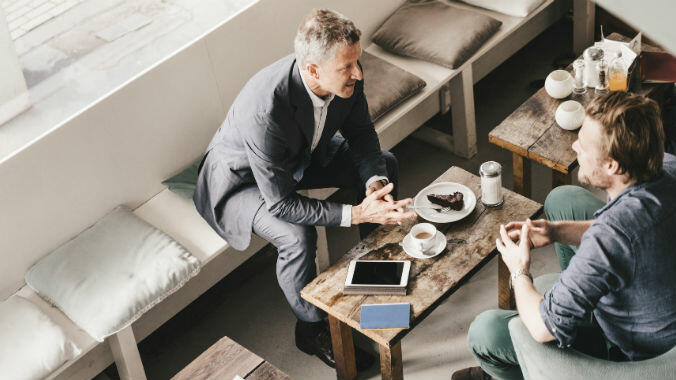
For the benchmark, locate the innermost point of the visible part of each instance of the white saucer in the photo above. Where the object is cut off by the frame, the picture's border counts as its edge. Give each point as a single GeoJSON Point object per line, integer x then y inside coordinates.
{"type": "Point", "coordinates": [436, 249]}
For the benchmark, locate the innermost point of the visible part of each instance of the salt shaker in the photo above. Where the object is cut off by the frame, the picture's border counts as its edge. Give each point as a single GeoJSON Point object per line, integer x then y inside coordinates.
{"type": "Point", "coordinates": [491, 183]}
{"type": "Point", "coordinates": [592, 56]}
{"type": "Point", "coordinates": [578, 69]}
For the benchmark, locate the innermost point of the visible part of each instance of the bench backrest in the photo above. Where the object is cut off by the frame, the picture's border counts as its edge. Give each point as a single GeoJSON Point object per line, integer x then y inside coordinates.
{"type": "Point", "coordinates": [118, 150]}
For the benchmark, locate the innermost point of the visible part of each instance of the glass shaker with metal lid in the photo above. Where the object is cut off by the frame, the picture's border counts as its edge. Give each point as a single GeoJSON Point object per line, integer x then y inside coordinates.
{"type": "Point", "coordinates": [592, 57]}
{"type": "Point", "coordinates": [491, 183]}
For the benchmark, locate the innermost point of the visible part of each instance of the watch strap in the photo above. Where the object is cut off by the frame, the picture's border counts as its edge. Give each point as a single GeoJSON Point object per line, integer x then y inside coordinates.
{"type": "Point", "coordinates": [517, 273]}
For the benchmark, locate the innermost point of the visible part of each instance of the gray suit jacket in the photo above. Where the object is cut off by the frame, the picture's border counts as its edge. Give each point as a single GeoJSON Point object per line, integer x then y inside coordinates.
{"type": "Point", "coordinates": [261, 150]}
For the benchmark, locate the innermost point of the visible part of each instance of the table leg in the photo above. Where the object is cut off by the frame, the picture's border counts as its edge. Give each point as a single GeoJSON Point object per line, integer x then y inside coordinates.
{"type": "Point", "coordinates": [462, 113]}
{"type": "Point", "coordinates": [343, 349]}
{"type": "Point", "coordinates": [505, 294]}
{"type": "Point", "coordinates": [560, 179]}
{"type": "Point", "coordinates": [521, 174]}
{"type": "Point", "coordinates": [391, 365]}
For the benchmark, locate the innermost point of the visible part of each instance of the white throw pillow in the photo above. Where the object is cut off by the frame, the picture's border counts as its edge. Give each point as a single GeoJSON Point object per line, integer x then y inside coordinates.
{"type": "Point", "coordinates": [518, 8]}
{"type": "Point", "coordinates": [110, 274]}
{"type": "Point", "coordinates": [31, 345]}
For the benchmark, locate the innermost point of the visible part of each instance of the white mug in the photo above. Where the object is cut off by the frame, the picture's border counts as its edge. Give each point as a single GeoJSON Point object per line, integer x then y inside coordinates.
{"type": "Point", "coordinates": [422, 236]}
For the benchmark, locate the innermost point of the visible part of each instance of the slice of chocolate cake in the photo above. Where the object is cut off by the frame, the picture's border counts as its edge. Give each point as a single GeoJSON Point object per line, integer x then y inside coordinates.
{"type": "Point", "coordinates": [454, 201]}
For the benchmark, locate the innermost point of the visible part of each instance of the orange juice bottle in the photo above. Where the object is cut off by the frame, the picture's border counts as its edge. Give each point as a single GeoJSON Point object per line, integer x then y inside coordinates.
{"type": "Point", "coordinates": [617, 74]}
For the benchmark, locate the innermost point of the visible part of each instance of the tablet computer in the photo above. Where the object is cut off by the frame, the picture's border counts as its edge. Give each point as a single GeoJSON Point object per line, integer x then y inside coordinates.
{"type": "Point", "coordinates": [378, 276]}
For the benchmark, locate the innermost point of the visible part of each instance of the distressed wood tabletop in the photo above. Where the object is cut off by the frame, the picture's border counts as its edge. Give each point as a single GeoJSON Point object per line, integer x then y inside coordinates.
{"type": "Point", "coordinates": [471, 243]}
{"type": "Point", "coordinates": [226, 359]}
{"type": "Point", "coordinates": [531, 131]}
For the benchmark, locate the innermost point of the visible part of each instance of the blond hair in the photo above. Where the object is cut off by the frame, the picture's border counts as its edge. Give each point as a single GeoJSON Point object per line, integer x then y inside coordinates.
{"type": "Point", "coordinates": [632, 133]}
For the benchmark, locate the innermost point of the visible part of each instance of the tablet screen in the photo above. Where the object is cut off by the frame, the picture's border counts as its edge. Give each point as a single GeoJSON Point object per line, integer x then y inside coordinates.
{"type": "Point", "coordinates": [377, 273]}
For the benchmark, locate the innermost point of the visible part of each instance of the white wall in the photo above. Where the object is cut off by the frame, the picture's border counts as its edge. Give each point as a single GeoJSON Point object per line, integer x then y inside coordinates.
{"type": "Point", "coordinates": [655, 18]}
{"type": "Point", "coordinates": [13, 93]}
{"type": "Point", "coordinates": [120, 149]}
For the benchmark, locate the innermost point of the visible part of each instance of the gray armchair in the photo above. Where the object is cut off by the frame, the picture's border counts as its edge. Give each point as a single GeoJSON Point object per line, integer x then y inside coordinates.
{"type": "Point", "coordinates": [547, 361]}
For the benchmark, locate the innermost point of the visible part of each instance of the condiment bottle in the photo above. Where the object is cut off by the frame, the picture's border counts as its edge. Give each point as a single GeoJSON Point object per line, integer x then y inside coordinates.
{"type": "Point", "coordinates": [592, 56]}
{"type": "Point", "coordinates": [617, 74]}
{"type": "Point", "coordinates": [602, 85]}
{"type": "Point", "coordinates": [491, 183]}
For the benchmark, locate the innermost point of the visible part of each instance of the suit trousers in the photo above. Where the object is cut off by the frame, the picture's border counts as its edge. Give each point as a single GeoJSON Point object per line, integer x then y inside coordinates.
{"type": "Point", "coordinates": [297, 244]}
{"type": "Point", "coordinates": [488, 335]}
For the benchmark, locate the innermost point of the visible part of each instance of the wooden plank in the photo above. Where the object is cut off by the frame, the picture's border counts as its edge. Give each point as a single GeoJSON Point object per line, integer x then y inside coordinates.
{"type": "Point", "coordinates": [343, 349]}
{"type": "Point", "coordinates": [526, 124]}
{"type": "Point", "coordinates": [126, 355]}
{"type": "Point", "coordinates": [223, 360]}
{"type": "Point", "coordinates": [521, 174]}
{"type": "Point", "coordinates": [391, 363]}
{"type": "Point", "coordinates": [471, 244]}
{"type": "Point", "coordinates": [462, 113]}
{"type": "Point", "coordinates": [267, 371]}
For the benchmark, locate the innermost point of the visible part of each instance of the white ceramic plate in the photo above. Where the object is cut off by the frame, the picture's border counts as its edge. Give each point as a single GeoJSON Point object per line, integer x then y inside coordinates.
{"type": "Point", "coordinates": [421, 204]}
{"type": "Point", "coordinates": [436, 249]}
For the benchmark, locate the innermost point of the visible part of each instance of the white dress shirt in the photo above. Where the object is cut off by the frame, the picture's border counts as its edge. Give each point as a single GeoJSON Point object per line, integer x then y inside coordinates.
{"type": "Point", "coordinates": [320, 107]}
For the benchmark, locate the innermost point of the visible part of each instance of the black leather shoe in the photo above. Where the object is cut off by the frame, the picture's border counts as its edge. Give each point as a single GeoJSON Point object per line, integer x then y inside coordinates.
{"type": "Point", "coordinates": [314, 338]}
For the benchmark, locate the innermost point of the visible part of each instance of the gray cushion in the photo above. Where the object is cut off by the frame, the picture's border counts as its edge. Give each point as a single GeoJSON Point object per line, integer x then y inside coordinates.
{"type": "Point", "coordinates": [386, 85]}
{"type": "Point", "coordinates": [184, 182]}
{"type": "Point", "coordinates": [110, 274]}
{"type": "Point", "coordinates": [435, 32]}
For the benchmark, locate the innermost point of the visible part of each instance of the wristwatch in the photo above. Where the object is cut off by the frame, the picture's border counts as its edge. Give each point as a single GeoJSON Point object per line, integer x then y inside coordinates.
{"type": "Point", "coordinates": [518, 273]}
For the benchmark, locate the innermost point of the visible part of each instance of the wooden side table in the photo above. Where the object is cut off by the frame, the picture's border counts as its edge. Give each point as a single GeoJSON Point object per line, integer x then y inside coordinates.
{"type": "Point", "coordinates": [531, 133]}
{"type": "Point", "coordinates": [470, 244]}
{"type": "Point", "coordinates": [227, 359]}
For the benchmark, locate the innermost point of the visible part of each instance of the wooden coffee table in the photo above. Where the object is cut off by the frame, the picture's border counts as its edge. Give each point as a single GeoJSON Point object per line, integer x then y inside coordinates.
{"type": "Point", "coordinates": [471, 243]}
{"type": "Point", "coordinates": [531, 133]}
{"type": "Point", "coordinates": [227, 359]}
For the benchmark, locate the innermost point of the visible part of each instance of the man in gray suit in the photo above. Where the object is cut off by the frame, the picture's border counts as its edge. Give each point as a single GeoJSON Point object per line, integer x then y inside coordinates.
{"type": "Point", "coordinates": [279, 136]}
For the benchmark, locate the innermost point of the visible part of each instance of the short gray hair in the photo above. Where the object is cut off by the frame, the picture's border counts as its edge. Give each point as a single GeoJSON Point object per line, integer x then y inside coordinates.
{"type": "Point", "coordinates": [320, 33]}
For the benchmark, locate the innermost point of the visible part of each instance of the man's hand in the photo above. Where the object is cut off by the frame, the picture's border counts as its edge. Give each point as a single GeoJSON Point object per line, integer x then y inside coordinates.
{"type": "Point", "coordinates": [515, 256]}
{"type": "Point", "coordinates": [540, 232]}
{"type": "Point", "coordinates": [375, 186]}
{"type": "Point", "coordinates": [373, 209]}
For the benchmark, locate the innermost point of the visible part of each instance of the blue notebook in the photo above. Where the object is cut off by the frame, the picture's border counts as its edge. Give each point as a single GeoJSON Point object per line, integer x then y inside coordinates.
{"type": "Point", "coordinates": [385, 316]}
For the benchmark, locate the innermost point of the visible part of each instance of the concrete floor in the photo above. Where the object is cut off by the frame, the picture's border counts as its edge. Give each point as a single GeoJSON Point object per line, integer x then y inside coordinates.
{"type": "Point", "coordinates": [249, 307]}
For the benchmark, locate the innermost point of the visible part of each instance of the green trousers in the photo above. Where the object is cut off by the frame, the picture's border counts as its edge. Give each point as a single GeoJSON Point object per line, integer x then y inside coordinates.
{"type": "Point", "coordinates": [488, 335]}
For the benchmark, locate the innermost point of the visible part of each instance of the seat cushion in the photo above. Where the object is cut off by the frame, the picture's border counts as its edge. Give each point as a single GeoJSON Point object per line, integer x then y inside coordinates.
{"type": "Point", "coordinates": [184, 182]}
{"type": "Point", "coordinates": [518, 8]}
{"type": "Point", "coordinates": [110, 274]}
{"type": "Point", "coordinates": [32, 345]}
{"type": "Point", "coordinates": [435, 32]}
{"type": "Point", "coordinates": [386, 85]}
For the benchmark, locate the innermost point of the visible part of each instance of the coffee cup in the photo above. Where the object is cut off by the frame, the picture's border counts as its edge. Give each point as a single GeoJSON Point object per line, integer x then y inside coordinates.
{"type": "Point", "coordinates": [422, 236]}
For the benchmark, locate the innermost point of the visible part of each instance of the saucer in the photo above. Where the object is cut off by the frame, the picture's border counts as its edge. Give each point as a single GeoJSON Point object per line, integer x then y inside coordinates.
{"type": "Point", "coordinates": [438, 247]}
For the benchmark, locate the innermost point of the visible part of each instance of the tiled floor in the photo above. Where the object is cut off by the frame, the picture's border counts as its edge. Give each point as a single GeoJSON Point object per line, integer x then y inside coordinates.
{"type": "Point", "coordinates": [26, 15]}
{"type": "Point", "coordinates": [73, 58]}
{"type": "Point", "coordinates": [249, 307]}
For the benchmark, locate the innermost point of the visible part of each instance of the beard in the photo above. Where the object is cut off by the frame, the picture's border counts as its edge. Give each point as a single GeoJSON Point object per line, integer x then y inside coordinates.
{"type": "Point", "coordinates": [595, 179]}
